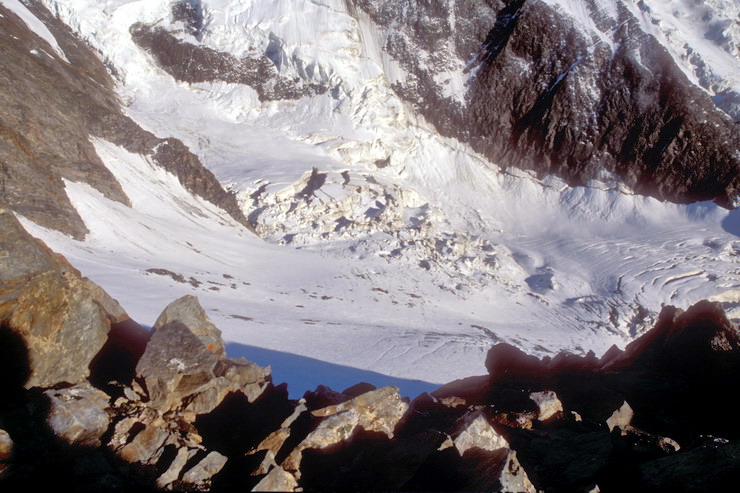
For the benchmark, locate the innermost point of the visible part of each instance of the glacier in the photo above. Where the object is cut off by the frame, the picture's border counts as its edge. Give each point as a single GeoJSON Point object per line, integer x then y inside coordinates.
{"type": "Point", "coordinates": [382, 246]}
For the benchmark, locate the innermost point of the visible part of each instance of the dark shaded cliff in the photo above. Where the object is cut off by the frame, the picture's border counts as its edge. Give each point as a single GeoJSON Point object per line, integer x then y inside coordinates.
{"type": "Point", "coordinates": [544, 94]}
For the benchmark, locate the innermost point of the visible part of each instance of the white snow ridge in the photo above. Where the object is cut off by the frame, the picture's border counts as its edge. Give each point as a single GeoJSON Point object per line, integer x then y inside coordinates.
{"type": "Point", "coordinates": [385, 251]}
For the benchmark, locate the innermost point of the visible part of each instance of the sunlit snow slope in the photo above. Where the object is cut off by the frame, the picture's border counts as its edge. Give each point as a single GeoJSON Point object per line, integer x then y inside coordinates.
{"type": "Point", "coordinates": [384, 247]}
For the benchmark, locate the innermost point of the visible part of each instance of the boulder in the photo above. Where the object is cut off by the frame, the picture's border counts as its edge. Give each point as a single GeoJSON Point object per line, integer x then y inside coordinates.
{"type": "Point", "coordinates": [376, 411]}
{"type": "Point", "coordinates": [548, 404]}
{"type": "Point", "coordinates": [62, 318]}
{"type": "Point", "coordinates": [179, 371]}
{"type": "Point", "coordinates": [204, 470]}
{"type": "Point", "coordinates": [6, 451]}
{"type": "Point", "coordinates": [147, 446]}
{"type": "Point", "coordinates": [187, 310]}
{"type": "Point", "coordinates": [474, 431]}
{"type": "Point", "coordinates": [174, 366]}
{"type": "Point", "coordinates": [620, 418]}
{"type": "Point", "coordinates": [175, 468]}
{"type": "Point", "coordinates": [277, 480]}
{"type": "Point", "coordinates": [78, 414]}
{"type": "Point", "coordinates": [336, 428]}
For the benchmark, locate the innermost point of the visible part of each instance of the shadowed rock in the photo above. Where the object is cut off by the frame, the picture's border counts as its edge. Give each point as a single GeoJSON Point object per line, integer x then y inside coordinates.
{"type": "Point", "coordinates": [78, 414]}
{"type": "Point", "coordinates": [49, 110]}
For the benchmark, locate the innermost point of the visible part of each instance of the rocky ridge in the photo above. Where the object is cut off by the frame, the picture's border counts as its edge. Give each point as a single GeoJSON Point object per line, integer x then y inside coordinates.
{"type": "Point", "coordinates": [52, 108]}
{"type": "Point", "coordinates": [174, 412]}
{"type": "Point", "coordinates": [540, 92]}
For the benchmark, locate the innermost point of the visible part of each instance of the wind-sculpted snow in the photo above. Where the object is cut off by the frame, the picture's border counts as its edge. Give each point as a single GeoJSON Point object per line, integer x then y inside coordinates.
{"type": "Point", "coordinates": [384, 246]}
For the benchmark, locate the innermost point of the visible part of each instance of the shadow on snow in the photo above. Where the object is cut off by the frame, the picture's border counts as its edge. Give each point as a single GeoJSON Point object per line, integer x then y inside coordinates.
{"type": "Point", "coordinates": [303, 373]}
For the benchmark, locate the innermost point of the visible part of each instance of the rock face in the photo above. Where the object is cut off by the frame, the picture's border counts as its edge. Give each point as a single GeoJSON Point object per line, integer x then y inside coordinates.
{"type": "Point", "coordinates": [78, 414]}
{"type": "Point", "coordinates": [188, 311]}
{"type": "Point", "coordinates": [49, 109]}
{"type": "Point", "coordinates": [179, 371]}
{"type": "Point", "coordinates": [541, 92]}
{"type": "Point", "coordinates": [194, 63]}
{"type": "Point", "coordinates": [62, 318]}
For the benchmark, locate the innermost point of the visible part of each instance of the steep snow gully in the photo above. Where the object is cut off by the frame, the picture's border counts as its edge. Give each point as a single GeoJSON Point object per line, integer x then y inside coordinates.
{"type": "Point", "coordinates": [386, 251]}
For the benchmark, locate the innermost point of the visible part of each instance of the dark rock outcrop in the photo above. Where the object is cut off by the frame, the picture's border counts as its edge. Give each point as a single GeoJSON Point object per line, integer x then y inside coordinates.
{"type": "Point", "coordinates": [49, 110]}
{"type": "Point", "coordinates": [192, 63]}
{"type": "Point", "coordinates": [546, 95]}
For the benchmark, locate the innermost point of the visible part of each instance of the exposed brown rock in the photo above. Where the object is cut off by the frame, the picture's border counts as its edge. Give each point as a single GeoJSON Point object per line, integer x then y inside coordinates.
{"type": "Point", "coordinates": [548, 403]}
{"type": "Point", "coordinates": [277, 480]}
{"type": "Point", "coordinates": [178, 370]}
{"type": "Point", "coordinates": [49, 109]}
{"type": "Point", "coordinates": [621, 418]}
{"type": "Point", "coordinates": [198, 63]}
{"type": "Point", "coordinates": [474, 430]}
{"type": "Point", "coordinates": [175, 468]}
{"type": "Point", "coordinates": [60, 316]}
{"type": "Point", "coordinates": [204, 470]}
{"type": "Point", "coordinates": [194, 420]}
{"type": "Point", "coordinates": [377, 410]}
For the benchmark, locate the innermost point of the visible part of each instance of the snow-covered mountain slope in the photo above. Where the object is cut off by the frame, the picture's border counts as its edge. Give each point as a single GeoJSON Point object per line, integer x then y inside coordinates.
{"type": "Point", "coordinates": [384, 246]}
{"type": "Point", "coordinates": [702, 36]}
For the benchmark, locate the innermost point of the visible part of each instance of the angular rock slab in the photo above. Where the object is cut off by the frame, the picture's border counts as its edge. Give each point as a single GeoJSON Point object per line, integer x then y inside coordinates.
{"type": "Point", "coordinates": [548, 404]}
{"type": "Point", "coordinates": [379, 410]}
{"type": "Point", "coordinates": [188, 311]}
{"type": "Point", "coordinates": [277, 480]}
{"type": "Point", "coordinates": [175, 467]}
{"type": "Point", "coordinates": [174, 366]}
{"type": "Point", "coordinates": [178, 371]}
{"type": "Point", "coordinates": [621, 418]}
{"type": "Point", "coordinates": [475, 431]}
{"type": "Point", "coordinates": [204, 470]}
{"type": "Point", "coordinates": [78, 414]}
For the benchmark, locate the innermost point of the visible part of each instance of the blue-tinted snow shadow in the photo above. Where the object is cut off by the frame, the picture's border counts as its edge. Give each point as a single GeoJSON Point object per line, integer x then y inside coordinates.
{"type": "Point", "coordinates": [731, 223]}
{"type": "Point", "coordinates": [303, 373]}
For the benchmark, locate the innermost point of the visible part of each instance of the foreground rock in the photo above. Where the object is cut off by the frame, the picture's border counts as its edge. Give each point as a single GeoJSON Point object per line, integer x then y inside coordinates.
{"type": "Point", "coordinates": [181, 416]}
{"type": "Point", "coordinates": [188, 311]}
{"type": "Point", "coordinates": [183, 368]}
{"type": "Point", "coordinates": [62, 318]}
{"type": "Point", "coordinates": [78, 414]}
